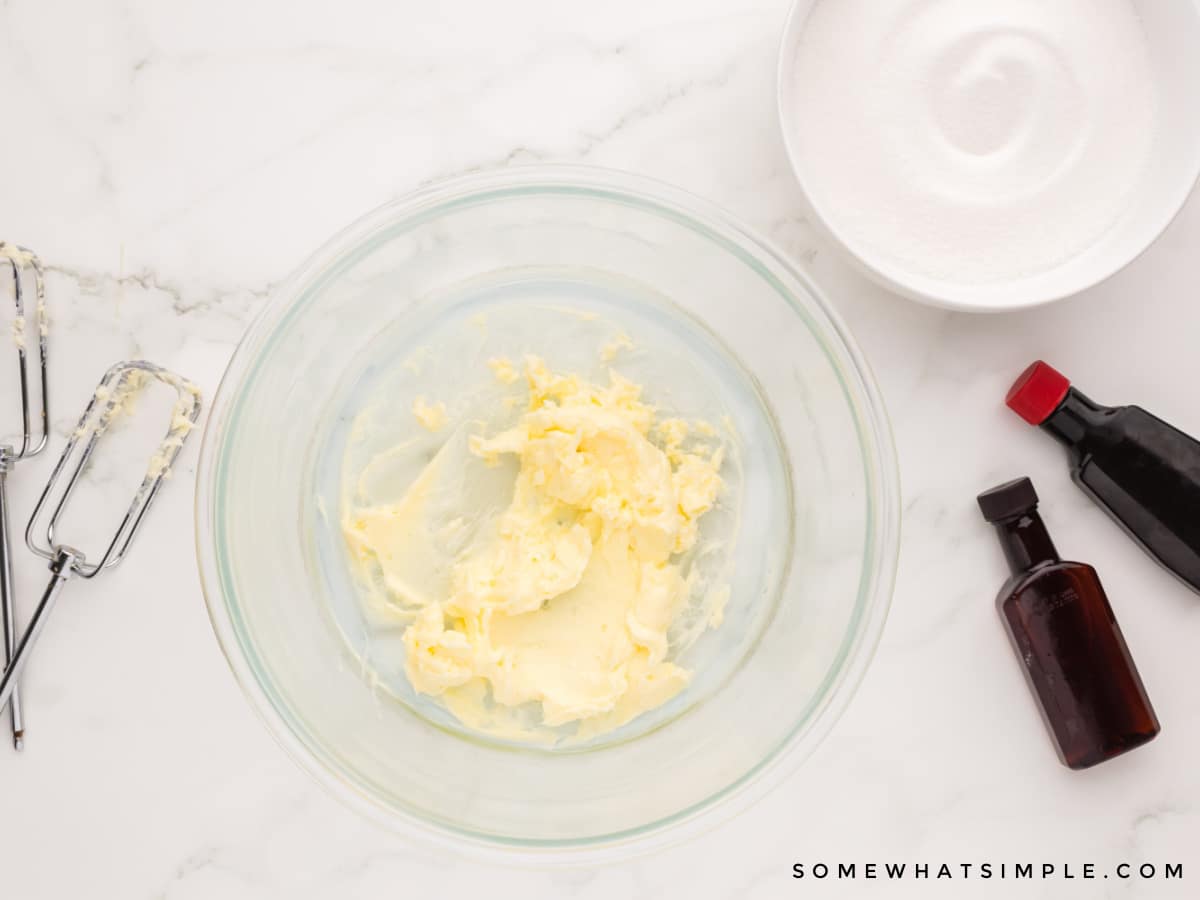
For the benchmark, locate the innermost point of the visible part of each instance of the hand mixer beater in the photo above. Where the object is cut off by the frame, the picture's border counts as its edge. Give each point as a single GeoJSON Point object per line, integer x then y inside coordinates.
{"type": "Point", "coordinates": [112, 398]}
{"type": "Point", "coordinates": [26, 328]}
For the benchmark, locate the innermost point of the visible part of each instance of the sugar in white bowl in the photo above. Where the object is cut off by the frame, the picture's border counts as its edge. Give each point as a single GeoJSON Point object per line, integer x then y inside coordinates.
{"type": "Point", "coordinates": [991, 155]}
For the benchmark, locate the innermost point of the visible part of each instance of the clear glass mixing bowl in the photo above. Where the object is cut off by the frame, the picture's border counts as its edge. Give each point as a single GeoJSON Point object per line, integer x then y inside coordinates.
{"type": "Point", "coordinates": [817, 551]}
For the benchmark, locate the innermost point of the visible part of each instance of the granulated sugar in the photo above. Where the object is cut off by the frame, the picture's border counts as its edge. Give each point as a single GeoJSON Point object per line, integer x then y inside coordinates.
{"type": "Point", "coordinates": [973, 140]}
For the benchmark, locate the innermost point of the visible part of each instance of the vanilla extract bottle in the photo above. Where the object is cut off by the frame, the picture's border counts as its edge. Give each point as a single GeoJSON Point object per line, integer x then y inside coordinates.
{"type": "Point", "coordinates": [1062, 627]}
{"type": "Point", "coordinates": [1142, 471]}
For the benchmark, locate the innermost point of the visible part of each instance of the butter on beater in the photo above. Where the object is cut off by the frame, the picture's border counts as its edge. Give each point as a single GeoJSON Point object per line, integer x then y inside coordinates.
{"type": "Point", "coordinates": [557, 611]}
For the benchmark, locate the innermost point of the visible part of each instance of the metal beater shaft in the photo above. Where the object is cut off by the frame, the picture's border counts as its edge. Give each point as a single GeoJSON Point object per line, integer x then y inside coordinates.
{"type": "Point", "coordinates": [61, 569]}
{"type": "Point", "coordinates": [6, 602]}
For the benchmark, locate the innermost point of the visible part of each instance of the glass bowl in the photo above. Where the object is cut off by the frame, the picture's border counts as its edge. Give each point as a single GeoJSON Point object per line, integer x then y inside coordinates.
{"type": "Point", "coordinates": [731, 318]}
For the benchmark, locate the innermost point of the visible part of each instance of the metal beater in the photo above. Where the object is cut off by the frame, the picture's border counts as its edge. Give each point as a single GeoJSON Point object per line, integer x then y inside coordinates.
{"type": "Point", "coordinates": [111, 399]}
{"type": "Point", "coordinates": [21, 262]}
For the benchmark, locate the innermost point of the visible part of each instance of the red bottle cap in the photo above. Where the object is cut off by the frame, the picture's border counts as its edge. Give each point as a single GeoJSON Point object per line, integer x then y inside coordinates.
{"type": "Point", "coordinates": [1037, 393]}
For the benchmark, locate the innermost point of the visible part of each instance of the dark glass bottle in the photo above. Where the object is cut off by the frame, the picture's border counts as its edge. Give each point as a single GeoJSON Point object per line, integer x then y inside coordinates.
{"type": "Point", "coordinates": [1142, 471]}
{"type": "Point", "coordinates": [1063, 630]}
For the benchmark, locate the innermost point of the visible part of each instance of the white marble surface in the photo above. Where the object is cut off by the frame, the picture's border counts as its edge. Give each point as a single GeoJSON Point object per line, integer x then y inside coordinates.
{"type": "Point", "coordinates": [171, 161]}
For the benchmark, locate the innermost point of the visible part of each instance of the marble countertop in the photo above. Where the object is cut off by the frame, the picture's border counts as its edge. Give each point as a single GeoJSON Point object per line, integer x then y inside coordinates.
{"type": "Point", "coordinates": [172, 161]}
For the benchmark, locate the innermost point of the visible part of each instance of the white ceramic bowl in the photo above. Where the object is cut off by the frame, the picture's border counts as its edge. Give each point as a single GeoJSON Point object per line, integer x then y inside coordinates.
{"type": "Point", "coordinates": [1173, 33]}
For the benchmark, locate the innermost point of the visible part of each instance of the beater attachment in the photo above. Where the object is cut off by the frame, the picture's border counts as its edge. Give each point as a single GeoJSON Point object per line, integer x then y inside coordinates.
{"type": "Point", "coordinates": [112, 398]}
{"type": "Point", "coordinates": [29, 327]}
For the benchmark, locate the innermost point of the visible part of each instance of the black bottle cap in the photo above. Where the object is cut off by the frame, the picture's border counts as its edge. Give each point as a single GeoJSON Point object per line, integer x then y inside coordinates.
{"type": "Point", "coordinates": [1013, 498]}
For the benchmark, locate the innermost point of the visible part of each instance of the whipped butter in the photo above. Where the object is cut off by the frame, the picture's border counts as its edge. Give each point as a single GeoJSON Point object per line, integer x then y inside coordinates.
{"type": "Point", "coordinates": [544, 602]}
{"type": "Point", "coordinates": [430, 416]}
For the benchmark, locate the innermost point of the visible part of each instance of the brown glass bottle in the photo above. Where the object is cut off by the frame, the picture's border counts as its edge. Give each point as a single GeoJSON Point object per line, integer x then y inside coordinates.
{"type": "Point", "coordinates": [1062, 628]}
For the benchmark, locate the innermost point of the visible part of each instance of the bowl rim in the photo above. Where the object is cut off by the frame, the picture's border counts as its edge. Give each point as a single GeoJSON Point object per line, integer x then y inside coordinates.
{"type": "Point", "coordinates": [876, 580]}
{"type": "Point", "coordinates": [789, 43]}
